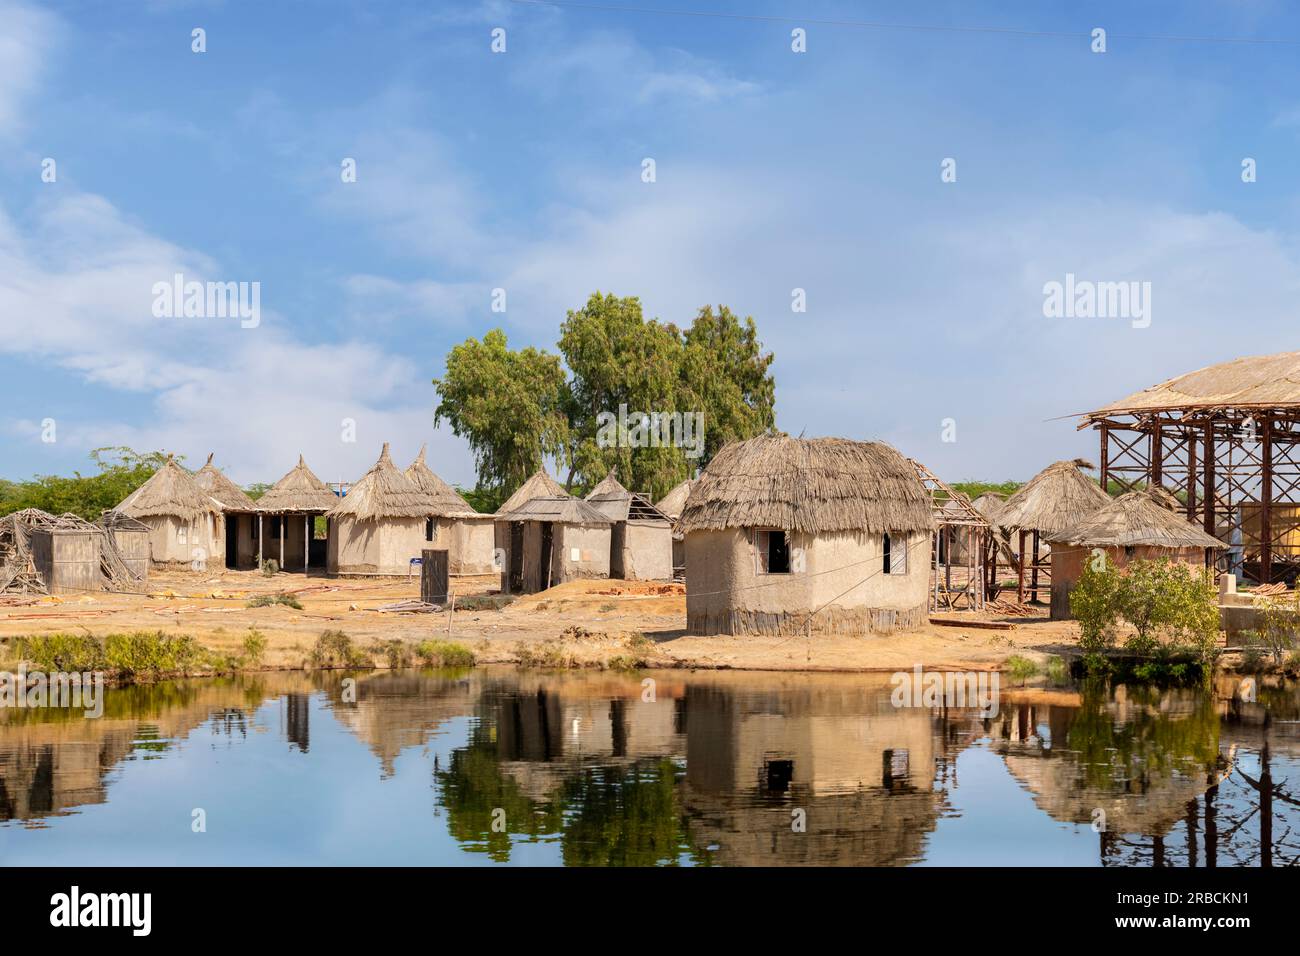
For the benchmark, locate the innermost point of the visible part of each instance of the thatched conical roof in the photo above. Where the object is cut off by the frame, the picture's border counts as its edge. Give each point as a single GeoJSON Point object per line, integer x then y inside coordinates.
{"type": "Point", "coordinates": [538, 485]}
{"type": "Point", "coordinates": [170, 490]}
{"type": "Point", "coordinates": [1135, 519]}
{"type": "Point", "coordinates": [449, 504]}
{"type": "Point", "coordinates": [618, 504]}
{"type": "Point", "coordinates": [672, 503]}
{"type": "Point", "coordinates": [808, 484]}
{"type": "Point", "coordinates": [298, 491]}
{"type": "Point", "coordinates": [384, 492]}
{"type": "Point", "coordinates": [565, 509]}
{"type": "Point", "coordinates": [1058, 497]}
{"type": "Point", "coordinates": [215, 484]}
{"type": "Point", "coordinates": [989, 504]}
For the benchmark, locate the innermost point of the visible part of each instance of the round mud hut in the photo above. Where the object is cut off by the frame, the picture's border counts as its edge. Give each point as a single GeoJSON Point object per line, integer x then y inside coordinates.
{"type": "Point", "coordinates": [1054, 500]}
{"type": "Point", "coordinates": [184, 521]}
{"type": "Point", "coordinates": [379, 525]}
{"type": "Point", "coordinates": [1138, 526]}
{"type": "Point", "coordinates": [807, 535]}
{"type": "Point", "coordinates": [453, 524]}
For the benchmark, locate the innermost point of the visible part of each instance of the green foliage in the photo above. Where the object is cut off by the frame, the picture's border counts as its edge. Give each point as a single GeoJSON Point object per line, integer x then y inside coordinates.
{"type": "Point", "coordinates": [270, 600]}
{"type": "Point", "coordinates": [254, 647]}
{"type": "Point", "coordinates": [973, 489]}
{"type": "Point", "coordinates": [444, 654]}
{"type": "Point", "coordinates": [517, 408]}
{"type": "Point", "coordinates": [395, 652]}
{"type": "Point", "coordinates": [144, 655]}
{"type": "Point", "coordinates": [335, 649]}
{"type": "Point", "coordinates": [1019, 668]}
{"type": "Point", "coordinates": [1171, 608]}
{"type": "Point", "coordinates": [270, 567]}
{"type": "Point", "coordinates": [1279, 625]}
{"type": "Point", "coordinates": [483, 500]}
{"type": "Point", "coordinates": [508, 404]}
{"type": "Point", "coordinates": [1057, 671]}
{"type": "Point", "coordinates": [257, 489]}
{"type": "Point", "coordinates": [61, 652]}
{"type": "Point", "coordinates": [120, 472]}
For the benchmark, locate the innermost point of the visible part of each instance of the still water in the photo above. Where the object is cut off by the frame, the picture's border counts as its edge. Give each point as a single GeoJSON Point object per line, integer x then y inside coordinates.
{"type": "Point", "coordinates": [501, 767]}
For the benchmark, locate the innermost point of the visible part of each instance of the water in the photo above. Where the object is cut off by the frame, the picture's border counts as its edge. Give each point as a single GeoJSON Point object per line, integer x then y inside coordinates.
{"type": "Point", "coordinates": [496, 766]}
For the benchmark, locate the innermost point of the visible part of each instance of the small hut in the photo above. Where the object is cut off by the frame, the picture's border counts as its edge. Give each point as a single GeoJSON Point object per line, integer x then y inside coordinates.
{"type": "Point", "coordinates": [286, 524]}
{"type": "Point", "coordinates": [795, 536]}
{"type": "Point", "coordinates": [1140, 525]}
{"type": "Point", "coordinates": [989, 504]}
{"type": "Point", "coordinates": [538, 485]}
{"type": "Point", "coordinates": [239, 515]}
{"type": "Point", "coordinates": [641, 536]}
{"type": "Point", "coordinates": [453, 524]}
{"type": "Point", "coordinates": [184, 522]}
{"type": "Point", "coordinates": [672, 504]}
{"type": "Point", "coordinates": [1054, 500]}
{"type": "Point", "coordinates": [552, 539]}
{"type": "Point", "coordinates": [379, 525]}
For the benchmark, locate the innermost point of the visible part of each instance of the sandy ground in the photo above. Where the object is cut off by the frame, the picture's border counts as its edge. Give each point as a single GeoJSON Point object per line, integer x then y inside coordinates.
{"type": "Point", "coordinates": [582, 622]}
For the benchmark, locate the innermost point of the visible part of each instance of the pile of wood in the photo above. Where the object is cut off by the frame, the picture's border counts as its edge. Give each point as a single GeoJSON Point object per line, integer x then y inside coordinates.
{"type": "Point", "coordinates": [18, 573]}
{"type": "Point", "coordinates": [1269, 590]}
{"type": "Point", "coordinates": [1011, 608]}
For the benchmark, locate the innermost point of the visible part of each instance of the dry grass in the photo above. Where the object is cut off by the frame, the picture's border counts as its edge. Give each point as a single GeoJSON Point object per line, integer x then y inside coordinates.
{"type": "Point", "coordinates": [384, 492]}
{"type": "Point", "coordinates": [298, 491]}
{"type": "Point", "coordinates": [169, 491]}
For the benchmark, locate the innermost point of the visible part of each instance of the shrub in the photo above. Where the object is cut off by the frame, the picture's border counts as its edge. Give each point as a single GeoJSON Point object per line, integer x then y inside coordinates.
{"type": "Point", "coordinates": [254, 646]}
{"type": "Point", "coordinates": [1279, 623]}
{"type": "Point", "coordinates": [444, 654]}
{"type": "Point", "coordinates": [150, 655]}
{"type": "Point", "coordinates": [335, 649]}
{"type": "Point", "coordinates": [270, 567]}
{"type": "Point", "coordinates": [61, 652]}
{"type": "Point", "coordinates": [397, 653]}
{"type": "Point", "coordinates": [1020, 668]}
{"type": "Point", "coordinates": [269, 600]}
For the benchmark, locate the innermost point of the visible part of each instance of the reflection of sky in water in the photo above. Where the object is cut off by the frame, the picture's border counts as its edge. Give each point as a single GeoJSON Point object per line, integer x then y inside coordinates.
{"type": "Point", "coordinates": [710, 773]}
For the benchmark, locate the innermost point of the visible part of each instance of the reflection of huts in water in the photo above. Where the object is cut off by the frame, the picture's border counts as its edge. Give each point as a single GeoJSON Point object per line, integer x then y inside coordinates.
{"type": "Point", "coordinates": [551, 540]}
{"type": "Point", "coordinates": [239, 523]}
{"type": "Point", "coordinates": [184, 522]}
{"type": "Point", "coordinates": [1054, 500]}
{"type": "Point", "coordinates": [672, 504]}
{"type": "Point", "coordinates": [793, 535]}
{"type": "Point", "coordinates": [861, 770]}
{"type": "Point", "coordinates": [1138, 526]}
{"type": "Point", "coordinates": [453, 524]}
{"type": "Point", "coordinates": [286, 524]}
{"type": "Point", "coordinates": [641, 536]}
{"type": "Point", "coordinates": [379, 525]}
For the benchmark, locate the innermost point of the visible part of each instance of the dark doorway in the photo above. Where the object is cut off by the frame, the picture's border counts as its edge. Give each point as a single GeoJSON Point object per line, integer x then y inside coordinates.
{"type": "Point", "coordinates": [778, 553]}
{"type": "Point", "coordinates": [232, 541]}
{"type": "Point", "coordinates": [548, 533]}
{"type": "Point", "coordinates": [516, 575]}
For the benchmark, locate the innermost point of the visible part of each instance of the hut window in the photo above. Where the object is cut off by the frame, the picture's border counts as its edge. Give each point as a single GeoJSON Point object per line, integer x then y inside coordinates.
{"type": "Point", "coordinates": [428, 529]}
{"type": "Point", "coordinates": [895, 558]}
{"type": "Point", "coordinates": [773, 552]}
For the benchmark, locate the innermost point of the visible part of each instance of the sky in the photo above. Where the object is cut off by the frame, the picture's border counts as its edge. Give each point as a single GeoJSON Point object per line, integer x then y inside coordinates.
{"type": "Point", "coordinates": [829, 170]}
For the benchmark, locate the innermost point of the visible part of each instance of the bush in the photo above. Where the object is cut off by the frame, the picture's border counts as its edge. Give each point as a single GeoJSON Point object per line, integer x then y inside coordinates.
{"type": "Point", "coordinates": [152, 655]}
{"type": "Point", "coordinates": [254, 646]}
{"type": "Point", "coordinates": [61, 652]}
{"type": "Point", "coordinates": [397, 653]}
{"type": "Point", "coordinates": [444, 654]}
{"type": "Point", "coordinates": [335, 649]}
{"type": "Point", "coordinates": [270, 567]}
{"type": "Point", "coordinates": [269, 600]}
{"type": "Point", "coordinates": [1020, 668]}
{"type": "Point", "coordinates": [1279, 624]}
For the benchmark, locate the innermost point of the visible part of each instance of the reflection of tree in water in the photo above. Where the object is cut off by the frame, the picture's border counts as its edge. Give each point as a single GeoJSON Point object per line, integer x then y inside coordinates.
{"type": "Point", "coordinates": [627, 816]}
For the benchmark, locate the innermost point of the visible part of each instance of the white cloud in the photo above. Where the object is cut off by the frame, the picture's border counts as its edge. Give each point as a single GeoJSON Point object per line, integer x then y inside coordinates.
{"type": "Point", "coordinates": [26, 35]}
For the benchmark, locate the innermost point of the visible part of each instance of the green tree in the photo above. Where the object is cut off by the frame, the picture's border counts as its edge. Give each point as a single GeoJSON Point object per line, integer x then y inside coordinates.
{"type": "Point", "coordinates": [509, 405]}
{"type": "Point", "coordinates": [121, 471]}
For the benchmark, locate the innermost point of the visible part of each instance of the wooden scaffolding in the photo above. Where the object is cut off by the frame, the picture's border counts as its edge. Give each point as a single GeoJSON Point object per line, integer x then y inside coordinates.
{"type": "Point", "coordinates": [959, 549]}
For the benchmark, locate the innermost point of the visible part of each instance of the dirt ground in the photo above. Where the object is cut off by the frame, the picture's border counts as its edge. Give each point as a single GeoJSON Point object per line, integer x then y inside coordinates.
{"type": "Point", "coordinates": [581, 622]}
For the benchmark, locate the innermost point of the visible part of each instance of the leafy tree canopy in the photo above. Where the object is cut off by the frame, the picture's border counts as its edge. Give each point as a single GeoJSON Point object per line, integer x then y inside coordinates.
{"type": "Point", "coordinates": [121, 470]}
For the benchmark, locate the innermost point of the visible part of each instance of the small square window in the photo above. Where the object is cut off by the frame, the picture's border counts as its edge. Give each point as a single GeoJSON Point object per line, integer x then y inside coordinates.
{"type": "Point", "coordinates": [773, 552]}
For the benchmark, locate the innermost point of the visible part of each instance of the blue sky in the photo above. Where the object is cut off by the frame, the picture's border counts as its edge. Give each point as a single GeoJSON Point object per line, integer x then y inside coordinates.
{"type": "Point", "coordinates": [522, 170]}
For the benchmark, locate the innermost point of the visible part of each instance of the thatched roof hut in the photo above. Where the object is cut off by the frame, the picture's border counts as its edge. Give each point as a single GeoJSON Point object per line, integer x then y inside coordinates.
{"type": "Point", "coordinates": [812, 485]}
{"type": "Point", "coordinates": [170, 492]}
{"type": "Point", "coordinates": [538, 485]}
{"type": "Point", "coordinates": [384, 492]}
{"type": "Point", "coordinates": [1057, 498]}
{"type": "Point", "coordinates": [447, 502]}
{"type": "Point", "coordinates": [641, 542]}
{"type": "Point", "coordinates": [672, 503]}
{"type": "Point", "coordinates": [551, 539]}
{"type": "Point", "coordinates": [795, 536]}
{"type": "Point", "coordinates": [1137, 519]}
{"type": "Point", "coordinates": [989, 504]}
{"type": "Point", "coordinates": [298, 492]}
{"type": "Point", "coordinates": [216, 485]}
{"type": "Point", "coordinates": [619, 504]}
{"type": "Point", "coordinates": [565, 509]}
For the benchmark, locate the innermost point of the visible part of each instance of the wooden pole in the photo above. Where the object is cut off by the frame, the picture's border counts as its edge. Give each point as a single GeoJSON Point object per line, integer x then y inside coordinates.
{"type": "Point", "coordinates": [1266, 505]}
{"type": "Point", "coordinates": [1034, 568]}
{"type": "Point", "coordinates": [1105, 457]}
{"type": "Point", "coordinates": [1021, 563]}
{"type": "Point", "coordinates": [284, 519]}
{"type": "Point", "coordinates": [1191, 476]}
{"type": "Point", "coordinates": [1211, 519]}
{"type": "Point", "coordinates": [259, 542]}
{"type": "Point", "coordinates": [306, 540]}
{"type": "Point", "coordinates": [1157, 455]}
